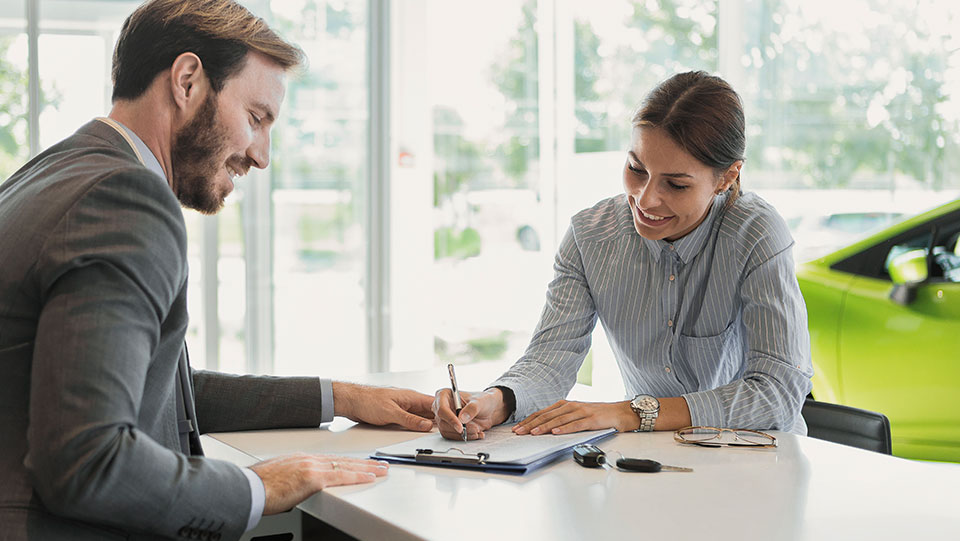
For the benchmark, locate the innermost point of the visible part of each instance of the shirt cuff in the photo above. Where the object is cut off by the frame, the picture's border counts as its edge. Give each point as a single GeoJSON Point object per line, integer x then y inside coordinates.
{"type": "Point", "coordinates": [258, 498]}
{"type": "Point", "coordinates": [705, 408]}
{"type": "Point", "coordinates": [326, 400]}
{"type": "Point", "coordinates": [521, 400]}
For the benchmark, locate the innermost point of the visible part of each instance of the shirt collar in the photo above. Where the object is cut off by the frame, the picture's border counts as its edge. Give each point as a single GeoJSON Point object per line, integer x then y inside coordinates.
{"type": "Point", "coordinates": [691, 244]}
{"type": "Point", "coordinates": [150, 161]}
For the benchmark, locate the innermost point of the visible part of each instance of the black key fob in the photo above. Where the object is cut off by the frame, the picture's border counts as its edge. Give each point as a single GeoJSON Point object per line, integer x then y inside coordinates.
{"type": "Point", "coordinates": [639, 464]}
{"type": "Point", "coordinates": [589, 456]}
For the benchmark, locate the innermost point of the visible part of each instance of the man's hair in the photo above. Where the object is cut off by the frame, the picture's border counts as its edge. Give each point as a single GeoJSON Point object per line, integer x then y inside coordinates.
{"type": "Point", "coordinates": [219, 32]}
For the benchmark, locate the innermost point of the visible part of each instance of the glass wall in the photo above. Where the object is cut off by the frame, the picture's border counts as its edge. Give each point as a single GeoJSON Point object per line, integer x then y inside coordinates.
{"type": "Point", "coordinates": [851, 126]}
{"type": "Point", "coordinates": [503, 120]}
{"type": "Point", "coordinates": [487, 208]}
{"type": "Point", "coordinates": [318, 181]}
{"type": "Point", "coordinates": [481, 282]}
{"type": "Point", "coordinates": [625, 49]}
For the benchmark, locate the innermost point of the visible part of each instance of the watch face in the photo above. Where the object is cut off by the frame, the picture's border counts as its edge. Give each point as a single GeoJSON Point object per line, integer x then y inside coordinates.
{"type": "Point", "coordinates": [646, 403]}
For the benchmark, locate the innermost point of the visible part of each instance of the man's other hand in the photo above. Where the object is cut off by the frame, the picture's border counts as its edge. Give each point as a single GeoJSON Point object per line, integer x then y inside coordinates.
{"type": "Point", "coordinates": [290, 479]}
{"type": "Point", "coordinates": [383, 405]}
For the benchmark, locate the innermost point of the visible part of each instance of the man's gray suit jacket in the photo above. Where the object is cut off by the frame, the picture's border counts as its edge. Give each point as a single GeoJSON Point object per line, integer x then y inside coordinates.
{"type": "Point", "coordinates": [93, 312]}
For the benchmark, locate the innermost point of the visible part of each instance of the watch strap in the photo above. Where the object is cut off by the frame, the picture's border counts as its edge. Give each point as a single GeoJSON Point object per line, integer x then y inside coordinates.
{"type": "Point", "coordinates": [647, 420]}
{"type": "Point", "coordinates": [648, 417]}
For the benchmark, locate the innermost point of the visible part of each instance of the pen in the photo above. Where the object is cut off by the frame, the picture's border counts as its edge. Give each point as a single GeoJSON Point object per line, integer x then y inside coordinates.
{"type": "Point", "coordinates": [456, 396]}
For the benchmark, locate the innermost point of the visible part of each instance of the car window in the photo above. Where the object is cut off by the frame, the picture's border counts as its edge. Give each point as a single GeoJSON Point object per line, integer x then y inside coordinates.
{"type": "Point", "coordinates": [907, 251]}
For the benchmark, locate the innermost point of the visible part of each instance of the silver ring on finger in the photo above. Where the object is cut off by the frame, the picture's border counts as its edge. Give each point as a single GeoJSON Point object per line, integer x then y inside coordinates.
{"type": "Point", "coordinates": [334, 466]}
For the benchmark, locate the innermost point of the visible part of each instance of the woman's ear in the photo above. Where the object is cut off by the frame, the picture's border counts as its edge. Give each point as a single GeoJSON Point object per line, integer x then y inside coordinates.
{"type": "Point", "coordinates": [730, 176]}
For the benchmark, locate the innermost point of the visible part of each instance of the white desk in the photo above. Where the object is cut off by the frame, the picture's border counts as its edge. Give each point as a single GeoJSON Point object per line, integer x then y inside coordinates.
{"type": "Point", "coordinates": [806, 489]}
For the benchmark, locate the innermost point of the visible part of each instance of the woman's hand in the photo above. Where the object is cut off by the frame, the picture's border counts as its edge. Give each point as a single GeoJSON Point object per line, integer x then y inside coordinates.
{"type": "Point", "coordinates": [480, 412]}
{"type": "Point", "coordinates": [565, 417]}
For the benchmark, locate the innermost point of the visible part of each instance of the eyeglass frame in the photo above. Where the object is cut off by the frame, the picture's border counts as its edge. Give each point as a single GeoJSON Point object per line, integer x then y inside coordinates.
{"type": "Point", "coordinates": [707, 443]}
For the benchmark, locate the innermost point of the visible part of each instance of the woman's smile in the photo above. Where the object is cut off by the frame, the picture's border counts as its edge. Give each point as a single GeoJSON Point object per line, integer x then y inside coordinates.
{"type": "Point", "coordinates": [650, 219]}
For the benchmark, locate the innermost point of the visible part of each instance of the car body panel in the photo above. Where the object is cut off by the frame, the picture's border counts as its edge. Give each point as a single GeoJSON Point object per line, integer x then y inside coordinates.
{"type": "Point", "coordinates": [823, 292]}
{"type": "Point", "coordinates": [903, 360]}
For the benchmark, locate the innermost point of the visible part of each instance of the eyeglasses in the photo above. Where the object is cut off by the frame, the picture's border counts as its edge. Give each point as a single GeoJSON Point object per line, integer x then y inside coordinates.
{"type": "Point", "coordinates": [708, 436]}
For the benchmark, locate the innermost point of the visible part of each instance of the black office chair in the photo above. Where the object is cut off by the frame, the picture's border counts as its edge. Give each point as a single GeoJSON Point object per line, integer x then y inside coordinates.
{"type": "Point", "coordinates": [850, 426]}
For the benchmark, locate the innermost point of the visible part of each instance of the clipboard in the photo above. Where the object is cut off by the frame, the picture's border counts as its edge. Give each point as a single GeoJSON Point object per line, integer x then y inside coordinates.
{"type": "Point", "coordinates": [501, 451]}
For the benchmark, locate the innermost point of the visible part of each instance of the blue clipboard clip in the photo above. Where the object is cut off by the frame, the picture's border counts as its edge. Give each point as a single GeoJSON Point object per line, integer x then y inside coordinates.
{"type": "Point", "coordinates": [430, 456]}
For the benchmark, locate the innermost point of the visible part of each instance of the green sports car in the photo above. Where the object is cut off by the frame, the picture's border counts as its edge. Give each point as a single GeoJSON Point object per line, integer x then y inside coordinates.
{"type": "Point", "coordinates": [884, 316]}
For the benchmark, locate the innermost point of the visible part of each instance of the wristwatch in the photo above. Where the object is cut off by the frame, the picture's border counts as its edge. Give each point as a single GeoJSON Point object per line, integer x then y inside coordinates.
{"type": "Point", "coordinates": [647, 408]}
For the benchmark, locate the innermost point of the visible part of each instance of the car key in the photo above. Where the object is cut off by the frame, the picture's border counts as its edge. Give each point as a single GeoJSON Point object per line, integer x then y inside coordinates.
{"type": "Point", "coordinates": [648, 466]}
{"type": "Point", "coordinates": [589, 456]}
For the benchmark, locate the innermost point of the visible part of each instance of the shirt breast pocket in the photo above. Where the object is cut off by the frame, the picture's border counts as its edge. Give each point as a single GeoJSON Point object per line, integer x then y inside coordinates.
{"type": "Point", "coordinates": [712, 361]}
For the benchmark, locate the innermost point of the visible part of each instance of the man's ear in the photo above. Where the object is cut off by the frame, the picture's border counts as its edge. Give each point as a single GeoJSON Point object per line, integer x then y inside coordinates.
{"type": "Point", "coordinates": [188, 82]}
{"type": "Point", "coordinates": [729, 176]}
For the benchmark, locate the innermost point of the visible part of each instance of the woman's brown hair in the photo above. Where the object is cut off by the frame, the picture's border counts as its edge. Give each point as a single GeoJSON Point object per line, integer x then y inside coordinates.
{"type": "Point", "coordinates": [702, 114]}
{"type": "Point", "coordinates": [219, 32]}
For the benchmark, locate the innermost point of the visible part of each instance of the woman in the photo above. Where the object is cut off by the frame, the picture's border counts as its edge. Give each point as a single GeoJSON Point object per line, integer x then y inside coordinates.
{"type": "Point", "coordinates": [692, 280]}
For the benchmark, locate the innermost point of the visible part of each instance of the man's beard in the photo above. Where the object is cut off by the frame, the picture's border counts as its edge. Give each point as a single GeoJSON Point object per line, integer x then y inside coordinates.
{"type": "Point", "coordinates": [197, 147]}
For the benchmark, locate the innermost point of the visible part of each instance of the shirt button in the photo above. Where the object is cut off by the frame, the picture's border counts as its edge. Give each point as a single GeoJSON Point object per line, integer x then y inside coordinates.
{"type": "Point", "coordinates": [669, 323]}
{"type": "Point", "coordinates": [672, 277]}
{"type": "Point", "coordinates": [671, 248]}
{"type": "Point", "coordinates": [667, 368]}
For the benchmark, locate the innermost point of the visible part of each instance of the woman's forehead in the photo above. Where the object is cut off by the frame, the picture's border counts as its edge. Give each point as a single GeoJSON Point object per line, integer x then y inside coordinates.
{"type": "Point", "coordinates": [655, 148]}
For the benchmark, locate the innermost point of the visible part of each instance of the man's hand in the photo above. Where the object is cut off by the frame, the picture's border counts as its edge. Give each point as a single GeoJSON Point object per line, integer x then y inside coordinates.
{"type": "Point", "coordinates": [288, 480]}
{"type": "Point", "coordinates": [383, 405]}
{"type": "Point", "coordinates": [480, 412]}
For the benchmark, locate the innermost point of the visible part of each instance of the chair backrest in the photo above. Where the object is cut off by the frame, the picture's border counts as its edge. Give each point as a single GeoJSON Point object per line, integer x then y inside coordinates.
{"type": "Point", "coordinates": [850, 426]}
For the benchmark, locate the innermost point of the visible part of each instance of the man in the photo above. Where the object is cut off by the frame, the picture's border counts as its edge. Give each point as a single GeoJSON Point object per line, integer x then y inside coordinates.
{"type": "Point", "coordinates": [99, 414]}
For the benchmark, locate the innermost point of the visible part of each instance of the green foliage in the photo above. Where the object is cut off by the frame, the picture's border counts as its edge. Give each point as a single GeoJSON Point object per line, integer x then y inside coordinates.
{"type": "Point", "coordinates": [448, 242]}
{"type": "Point", "coordinates": [459, 160]}
{"type": "Point", "coordinates": [825, 107]}
{"type": "Point", "coordinates": [586, 61]}
{"type": "Point", "coordinates": [13, 113]}
{"type": "Point", "coordinates": [587, 64]}
{"type": "Point", "coordinates": [488, 348]}
{"type": "Point", "coordinates": [666, 37]}
{"type": "Point", "coordinates": [516, 71]}
{"type": "Point", "coordinates": [323, 223]}
{"type": "Point", "coordinates": [676, 35]}
{"type": "Point", "coordinates": [485, 348]}
{"type": "Point", "coordinates": [516, 75]}
{"type": "Point", "coordinates": [874, 110]}
{"type": "Point", "coordinates": [516, 153]}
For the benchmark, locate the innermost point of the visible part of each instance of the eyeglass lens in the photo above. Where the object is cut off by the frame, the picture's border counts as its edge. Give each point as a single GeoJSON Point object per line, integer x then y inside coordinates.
{"type": "Point", "coordinates": [701, 434]}
{"type": "Point", "coordinates": [753, 437]}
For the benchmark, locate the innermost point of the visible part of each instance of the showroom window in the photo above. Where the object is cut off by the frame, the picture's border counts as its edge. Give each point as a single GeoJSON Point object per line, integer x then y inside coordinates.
{"type": "Point", "coordinates": [431, 154]}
